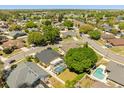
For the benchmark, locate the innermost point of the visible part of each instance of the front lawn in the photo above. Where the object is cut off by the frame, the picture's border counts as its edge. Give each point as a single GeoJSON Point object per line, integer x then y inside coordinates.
{"type": "Point", "coordinates": [118, 49]}
{"type": "Point", "coordinates": [67, 75]}
{"type": "Point", "coordinates": [55, 83]}
{"type": "Point", "coordinates": [100, 42]}
{"type": "Point", "coordinates": [99, 57]}
{"type": "Point", "coordinates": [102, 61]}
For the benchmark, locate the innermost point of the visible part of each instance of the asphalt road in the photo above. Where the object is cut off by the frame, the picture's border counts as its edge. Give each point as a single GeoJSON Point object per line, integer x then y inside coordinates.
{"type": "Point", "coordinates": [106, 53]}
{"type": "Point", "coordinates": [22, 55]}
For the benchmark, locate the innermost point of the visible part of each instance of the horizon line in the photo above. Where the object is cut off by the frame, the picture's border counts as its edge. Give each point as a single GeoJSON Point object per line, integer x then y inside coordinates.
{"type": "Point", "coordinates": [19, 7]}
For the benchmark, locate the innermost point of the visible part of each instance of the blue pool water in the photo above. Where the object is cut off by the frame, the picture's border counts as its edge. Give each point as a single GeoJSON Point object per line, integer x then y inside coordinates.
{"type": "Point", "coordinates": [59, 68]}
{"type": "Point", "coordinates": [99, 74]}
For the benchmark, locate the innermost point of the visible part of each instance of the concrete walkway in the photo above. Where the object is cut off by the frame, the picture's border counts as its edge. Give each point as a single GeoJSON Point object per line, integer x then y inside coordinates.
{"type": "Point", "coordinates": [51, 73]}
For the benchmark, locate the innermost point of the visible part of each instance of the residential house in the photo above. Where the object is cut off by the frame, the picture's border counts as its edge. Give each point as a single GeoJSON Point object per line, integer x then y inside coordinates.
{"type": "Point", "coordinates": [116, 42]}
{"type": "Point", "coordinates": [115, 72]}
{"type": "Point", "coordinates": [27, 74]}
{"type": "Point", "coordinates": [107, 27]}
{"type": "Point", "coordinates": [120, 19]}
{"type": "Point", "coordinates": [10, 43]}
{"type": "Point", "coordinates": [107, 36]}
{"type": "Point", "coordinates": [46, 56]}
{"type": "Point", "coordinates": [65, 34]}
{"type": "Point", "coordinates": [3, 39]}
{"type": "Point", "coordinates": [15, 34]}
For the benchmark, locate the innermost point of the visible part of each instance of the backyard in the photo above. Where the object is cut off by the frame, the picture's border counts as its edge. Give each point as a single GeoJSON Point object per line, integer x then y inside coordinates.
{"type": "Point", "coordinates": [86, 82]}
{"type": "Point", "coordinates": [55, 83]}
{"type": "Point", "coordinates": [67, 75]}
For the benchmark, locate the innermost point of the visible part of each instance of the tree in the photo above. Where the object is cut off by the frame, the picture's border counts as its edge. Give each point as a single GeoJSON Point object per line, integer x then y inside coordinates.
{"type": "Point", "coordinates": [15, 27]}
{"type": "Point", "coordinates": [68, 23]}
{"type": "Point", "coordinates": [121, 25]}
{"type": "Point", "coordinates": [95, 34]}
{"type": "Point", "coordinates": [8, 50]}
{"type": "Point", "coordinates": [114, 31]}
{"type": "Point", "coordinates": [36, 38]}
{"type": "Point", "coordinates": [60, 18]}
{"type": "Point", "coordinates": [47, 22]}
{"type": "Point", "coordinates": [80, 59]}
{"type": "Point", "coordinates": [50, 33]}
{"type": "Point", "coordinates": [30, 24]}
{"type": "Point", "coordinates": [86, 28]}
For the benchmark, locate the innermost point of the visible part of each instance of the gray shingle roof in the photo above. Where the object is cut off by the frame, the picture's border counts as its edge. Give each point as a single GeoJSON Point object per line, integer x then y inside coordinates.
{"type": "Point", "coordinates": [47, 55]}
{"type": "Point", "coordinates": [116, 73]}
{"type": "Point", "coordinates": [69, 33]}
{"type": "Point", "coordinates": [17, 33]}
{"type": "Point", "coordinates": [25, 73]}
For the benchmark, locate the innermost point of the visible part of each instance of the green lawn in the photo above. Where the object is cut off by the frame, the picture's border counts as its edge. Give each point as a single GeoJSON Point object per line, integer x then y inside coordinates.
{"type": "Point", "coordinates": [101, 42]}
{"type": "Point", "coordinates": [99, 56]}
{"type": "Point", "coordinates": [102, 61]}
{"type": "Point", "coordinates": [67, 75]}
{"type": "Point", "coordinates": [118, 49]}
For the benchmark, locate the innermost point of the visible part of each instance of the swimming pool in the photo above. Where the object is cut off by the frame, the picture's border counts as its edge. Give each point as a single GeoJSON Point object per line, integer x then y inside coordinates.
{"type": "Point", "coordinates": [99, 74]}
{"type": "Point", "coordinates": [59, 68]}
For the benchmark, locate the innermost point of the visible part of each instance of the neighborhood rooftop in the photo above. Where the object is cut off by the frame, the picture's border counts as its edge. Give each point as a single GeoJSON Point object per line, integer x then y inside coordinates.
{"type": "Point", "coordinates": [47, 55]}
{"type": "Point", "coordinates": [116, 72]}
{"type": "Point", "coordinates": [116, 42]}
{"type": "Point", "coordinates": [25, 73]}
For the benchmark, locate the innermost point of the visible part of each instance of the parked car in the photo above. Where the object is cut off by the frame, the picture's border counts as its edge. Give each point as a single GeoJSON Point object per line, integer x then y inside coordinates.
{"type": "Point", "coordinates": [12, 61]}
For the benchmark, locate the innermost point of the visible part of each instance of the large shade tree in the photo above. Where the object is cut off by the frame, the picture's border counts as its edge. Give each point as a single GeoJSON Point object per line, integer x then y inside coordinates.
{"type": "Point", "coordinates": [95, 34]}
{"type": "Point", "coordinates": [50, 33]}
{"type": "Point", "coordinates": [80, 59]}
{"type": "Point", "coordinates": [36, 38]}
{"type": "Point", "coordinates": [121, 25]}
{"type": "Point", "coordinates": [30, 24]}
{"type": "Point", "coordinates": [68, 23]}
{"type": "Point", "coordinates": [86, 28]}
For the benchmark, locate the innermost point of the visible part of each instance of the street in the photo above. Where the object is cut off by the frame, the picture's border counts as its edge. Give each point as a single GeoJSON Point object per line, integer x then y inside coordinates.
{"type": "Point", "coordinates": [106, 53]}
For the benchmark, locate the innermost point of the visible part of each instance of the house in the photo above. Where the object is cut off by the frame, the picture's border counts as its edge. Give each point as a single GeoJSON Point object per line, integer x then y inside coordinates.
{"type": "Point", "coordinates": [32, 29]}
{"type": "Point", "coordinates": [3, 39]}
{"type": "Point", "coordinates": [115, 72]}
{"type": "Point", "coordinates": [15, 34]}
{"type": "Point", "coordinates": [48, 55]}
{"type": "Point", "coordinates": [69, 45]}
{"type": "Point", "coordinates": [116, 42]}
{"type": "Point", "coordinates": [107, 36]}
{"type": "Point", "coordinates": [68, 33]}
{"type": "Point", "coordinates": [10, 43]}
{"type": "Point", "coordinates": [120, 18]}
{"type": "Point", "coordinates": [27, 74]}
{"type": "Point", "coordinates": [106, 27]}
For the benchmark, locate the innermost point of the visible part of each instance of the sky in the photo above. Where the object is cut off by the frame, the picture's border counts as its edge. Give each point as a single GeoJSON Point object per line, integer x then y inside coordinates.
{"type": "Point", "coordinates": [61, 6]}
